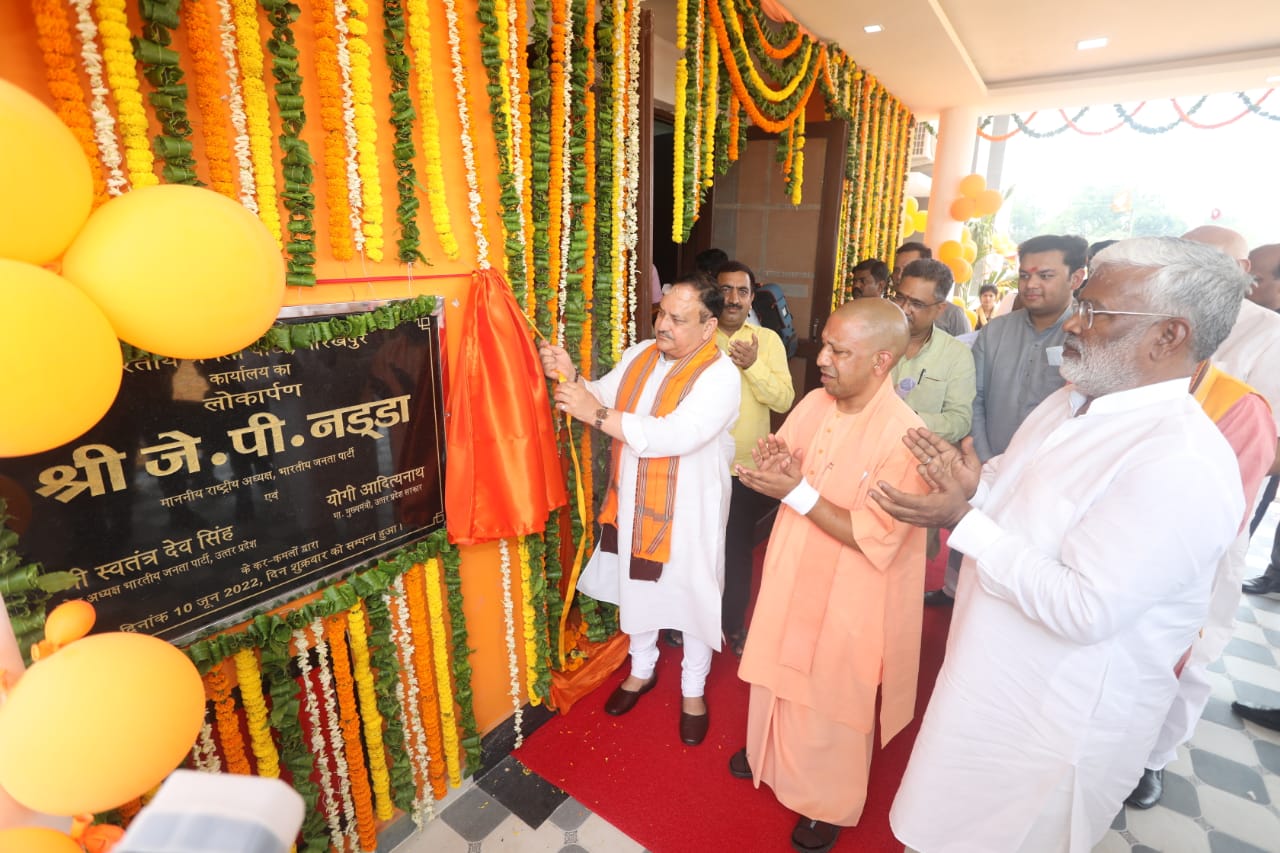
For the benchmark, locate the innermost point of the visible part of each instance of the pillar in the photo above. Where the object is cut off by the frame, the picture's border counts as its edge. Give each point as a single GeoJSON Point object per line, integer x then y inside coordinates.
{"type": "Point", "coordinates": [952, 160]}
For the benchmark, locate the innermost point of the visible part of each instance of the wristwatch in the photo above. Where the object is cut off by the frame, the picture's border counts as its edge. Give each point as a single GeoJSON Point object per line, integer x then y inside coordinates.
{"type": "Point", "coordinates": [601, 414]}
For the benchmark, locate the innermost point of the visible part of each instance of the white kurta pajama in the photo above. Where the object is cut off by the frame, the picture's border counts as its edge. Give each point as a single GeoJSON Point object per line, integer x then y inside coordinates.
{"type": "Point", "coordinates": [687, 596]}
{"type": "Point", "coordinates": [1096, 539]}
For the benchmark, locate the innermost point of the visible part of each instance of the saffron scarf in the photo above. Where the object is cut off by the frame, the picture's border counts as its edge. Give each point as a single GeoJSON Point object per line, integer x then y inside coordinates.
{"type": "Point", "coordinates": [656, 478]}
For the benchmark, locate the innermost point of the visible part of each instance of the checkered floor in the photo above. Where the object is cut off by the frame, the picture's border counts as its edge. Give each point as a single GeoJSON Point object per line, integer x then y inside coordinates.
{"type": "Point", "coordinates": [1222, 795]}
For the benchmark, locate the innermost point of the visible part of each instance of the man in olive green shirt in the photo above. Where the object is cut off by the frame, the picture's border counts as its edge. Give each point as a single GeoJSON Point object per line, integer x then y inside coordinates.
{"type": "Point", "coordinates": [761, 359]}
{"type": "Point", "coordinates": [936, 375]}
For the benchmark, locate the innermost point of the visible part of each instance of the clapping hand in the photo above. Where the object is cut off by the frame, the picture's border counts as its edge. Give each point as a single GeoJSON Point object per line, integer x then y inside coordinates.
{"type": "Point", "coordinates": [778, 469]}
{"type": "Point", "coordinates": [951, 473]}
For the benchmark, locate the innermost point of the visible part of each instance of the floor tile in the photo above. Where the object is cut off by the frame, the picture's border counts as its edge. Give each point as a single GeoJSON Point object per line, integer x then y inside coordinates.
{"type": "Point", "coordinates": [1268, 755]}
{"type": "Point", "coordinates": [1252, 633]}
{"type": "Point", "coordinates": [598, 836]}
{"type": "Point", "coordinates": [571, 814]}
{"type": "Point", "coordinates": [523, 792]}
{"type": "Point", "coordinates": [1245, 614]}
{"type": "Point", "coordinates": [1113, 843]}
{"type": "Point", "coordinates": [1262, 675]}
{"type": "Point", "coordinates": [1167, 831]}
{"type": "Point", "coordinates": [1218, 711]}
{"type": "Point", "coordinates": [1220, 842]}
{"type": "Point", "coordinates": [1218, 666]}
{"type": "Point", "coordinates": [1243, 819]}
{"type": "Point", "coordinates": [1242, 648]}
{"type": "Point", "coordinates": [1255, 695]}
{"type": "Point", "coordinates": [1230, 776]}
{"type": "Point", "coordinates": [1229, 743]}
{"type": "Point", "coordinates": [475, 815]}
{"type": "Point", "coordinates": [436, 837]}
{"type": "Point", "coordinates": [1180, 795]}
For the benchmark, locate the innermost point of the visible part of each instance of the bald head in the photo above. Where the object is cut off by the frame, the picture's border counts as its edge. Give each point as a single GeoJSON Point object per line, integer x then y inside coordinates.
{"type": "Point", "coordinates": [877, 322]}
{"type": "Point", "coordinates": [1265, 262]}
{"type": "Point", "coordinates": [1222, 239]}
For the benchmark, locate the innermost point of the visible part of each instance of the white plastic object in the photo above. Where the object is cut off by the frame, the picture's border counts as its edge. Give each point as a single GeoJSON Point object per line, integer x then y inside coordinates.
{"type": "Point", "coordinates": [196, 812]}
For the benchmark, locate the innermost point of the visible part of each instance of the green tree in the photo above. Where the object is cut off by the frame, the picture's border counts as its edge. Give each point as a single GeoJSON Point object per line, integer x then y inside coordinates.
{"type": "Point", "coordinates": [1099, 212]}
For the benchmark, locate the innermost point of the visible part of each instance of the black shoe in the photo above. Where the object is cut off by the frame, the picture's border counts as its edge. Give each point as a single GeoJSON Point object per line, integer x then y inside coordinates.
{"type": "Point", "coordinates": [938, 598]}
{"type": "Point", "coordinates": [814, 836]}
{"type": "Point", "coordinates": [739, 768]}
{"type": "Point", "coordinates": [1150, 788]}
{"type": "Point", "coordinates": [674, 638]}
{"type": "Point", "coordinates": [1262, 584]}
{"type": "Point", "coordinates": [1268, 718]}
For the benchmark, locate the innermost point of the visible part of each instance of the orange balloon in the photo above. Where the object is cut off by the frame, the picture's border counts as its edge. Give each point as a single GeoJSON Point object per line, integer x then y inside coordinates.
{"type": "Point", "coordinates": [949, 250]}
{"type": "Point", "coordinates": [987, 202]}
{"type": "Point", "coordinates": [69, 621]}
{"type": "Point", "coordinates": [962, 209]}
{"type": "Point", "coordinates": [101, 837]}
{"type": "Point", "coordinates": [99, 723]}
{"type": "Point", "coordinates": [961, 269]}
{"type": "Point", "coordinates": [33, 840]}
{"type": "Point", "coordinates": [972, 185]}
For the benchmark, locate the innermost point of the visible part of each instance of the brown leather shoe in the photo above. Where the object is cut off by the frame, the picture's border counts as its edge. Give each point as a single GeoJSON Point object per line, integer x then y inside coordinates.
{"type": "Point", "coordinates": [814, 836]}
{"type": "Point", "coordinates": [739, 767]}
{"type": "Point", "coordinates": [621, 701]}
{"type": "Point", "coordinates": [693, 727]}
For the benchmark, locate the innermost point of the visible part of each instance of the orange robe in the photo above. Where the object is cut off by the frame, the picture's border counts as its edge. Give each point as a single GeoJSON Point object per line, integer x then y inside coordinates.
{"type": "Point", "coordinates": [834, 624]}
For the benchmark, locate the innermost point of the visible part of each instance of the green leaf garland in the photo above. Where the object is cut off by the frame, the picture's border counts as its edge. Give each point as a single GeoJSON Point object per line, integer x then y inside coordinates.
{"type": "Point", "coordinates": [462, 690]}
{"type": "Point", "coordinates": [403, 149]}
{"type": "Point", "coordinates": [168, 96]}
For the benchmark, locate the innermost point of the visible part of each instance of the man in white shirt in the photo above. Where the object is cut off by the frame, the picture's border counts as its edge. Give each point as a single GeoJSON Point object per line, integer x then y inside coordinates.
{"type": "Point", "coordinates": [1068, 626]}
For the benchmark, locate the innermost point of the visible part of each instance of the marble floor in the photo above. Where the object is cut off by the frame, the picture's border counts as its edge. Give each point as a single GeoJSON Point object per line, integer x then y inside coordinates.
{"type": "Point", "coordinates": [1222, 795]}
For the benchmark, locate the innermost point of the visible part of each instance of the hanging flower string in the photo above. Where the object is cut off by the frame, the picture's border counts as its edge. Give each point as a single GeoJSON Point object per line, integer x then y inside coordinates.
{"type": "Point", "coordinates": [207, 76]}
{"type": "Point", "coordinates": [440, 655]}
{"type": "Point", "coordinates": [349, 720]}
{"type": "Point", "coordinates": [466, 713]}
{"type": "Point", "coordinates": [508, 621]}
{"type": "Point", "coordinates": [409, 696]}
{"type": "Point", "coordinates": [342, 812]}
{"type": "Point", "coordinates": [122, 77]}
{"type": "Point", "coordinates": [243, 146]}
{"type": "Point", "coordinates": [369, 714]}
{"type": "Point", "coordinates": [329, 84]}
{"type": "Point", "coordinates": [558, 182]}
{"type": "Point", "coordinates": [366, 127]}
{"type": "Point", "coordinates": [475, 203]}
{"type": "Point", "coordinates": [540, 302]}
{"type": "Point", "coordinates": [419, 21]}
{"type": "Point", "coordinates": [402, 116]}
{"type": "Point", "coordinates": [355, 186]}
{"type": "Point", "coordinates": [428, 706]}
{"type": "Point", "coordinates": [249, 52]}
{"type": "Point", "coordinates": [255, 710]}
{"type": "Point", "coordinates": [53, 35]}
{"type": "Point", "coordinates": [328, 803]}
{"type": "Point", "coordinates": [230, 739]}
{"type": "Point", "coordinates": [168, 96]}
{"type": "Point", "coordinates": [104, 121]}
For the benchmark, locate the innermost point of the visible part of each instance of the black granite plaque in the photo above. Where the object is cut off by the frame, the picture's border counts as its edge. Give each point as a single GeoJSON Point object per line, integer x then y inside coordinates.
{"type": "Point", "coordinates": [216, 486]}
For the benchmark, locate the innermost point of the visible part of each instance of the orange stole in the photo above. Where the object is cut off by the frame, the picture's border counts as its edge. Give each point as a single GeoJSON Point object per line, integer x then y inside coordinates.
{"type": "Point", "coordinates": [656, 478]}
{"type": "Point", "coordinates": [1217, 391]}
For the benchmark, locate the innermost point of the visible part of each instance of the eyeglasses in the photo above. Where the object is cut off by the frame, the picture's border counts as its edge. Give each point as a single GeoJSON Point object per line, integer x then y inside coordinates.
{"type": "Point", "coordinates": [904, 301]}
{"type": "Point", "coordinates": [1085, 312]}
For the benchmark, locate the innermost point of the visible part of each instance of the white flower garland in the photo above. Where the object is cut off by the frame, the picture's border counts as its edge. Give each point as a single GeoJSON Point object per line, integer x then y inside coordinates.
{"type": "Point", "coordinates": [318, 746]}
{"type": "Point", "coordinates": [204, 754]}
{"type": "Point", "coordinates": [508, 616]}
{"type": "Point", "coordinates": [355, 188]}
{"type": "Point", "coordinates": [515, 49]}
{"type": "Point", "coordinates": [631, 235]}
{"type": "Point", "coordinates": [566, 172]}
{"type": "Point", "coordinates": [342, 797]}
{"type": "Point", "coordinates": [407, 694]}
{"type": "Point", "coordinates": [617, 264]}
{"type": "Point", "coordinates": [468, 149]}
{"type": "Point", "coordinates": [104, 121]}
{"type": "Point", "coordinates": [235, 103]}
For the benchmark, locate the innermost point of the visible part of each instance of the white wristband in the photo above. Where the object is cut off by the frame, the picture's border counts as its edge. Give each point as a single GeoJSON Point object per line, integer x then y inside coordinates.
{"type": "Point", "coordinates": [803, 498]}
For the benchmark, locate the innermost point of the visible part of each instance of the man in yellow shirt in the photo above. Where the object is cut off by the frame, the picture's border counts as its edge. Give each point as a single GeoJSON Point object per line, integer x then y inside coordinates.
{"type": "Point", "coordinates": [761, 360]}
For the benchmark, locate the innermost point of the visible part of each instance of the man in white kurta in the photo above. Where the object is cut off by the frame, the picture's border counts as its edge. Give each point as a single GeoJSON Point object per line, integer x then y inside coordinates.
{"type": "Point", "coordinates": [686, 595]}
{"type": "Point", "coordinates": [1091, 546]}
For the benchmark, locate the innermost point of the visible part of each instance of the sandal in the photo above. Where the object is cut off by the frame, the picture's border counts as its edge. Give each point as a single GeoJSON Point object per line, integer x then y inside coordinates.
{"type": "Point", "coordinates": [814, 836]}
{"type": "Point", "coordinates": [738, 642]}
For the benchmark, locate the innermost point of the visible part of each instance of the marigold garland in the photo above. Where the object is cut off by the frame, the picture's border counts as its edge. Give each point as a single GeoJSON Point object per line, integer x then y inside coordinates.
{"type": "Point", "coordinates": [366, 127]}
{"type": "Point", "coordinates": [428, 704]}
{"type": "Point", "coordinates": [122, 78]}
{"type": "Point", "coordinates": [104, 121]}
{"type": "Point", "coordinates": [408, 694]}
{"type": "Point", "coordinates": [631, 224]}
{"type": "Point", "coordinates": [342, 812]}
{"type": "Point", "coordinates": [475, 203]}
{"type": "Point", "coordinates": [558, 183]}
{"type": "Point", "coordinates": [603, 291]}
{"type": "Point", "coordinates": [257, 114]}
{"type": "Point", "coordinates": [440, 656]}
{"type": "Point", "coordinates": [528, 620]}
{"type": "Point", "coordinates": [207, 76]}
{"type": "Point", "coordinates": [355, 188]}
{"type": "Point", "coordinates": [369, 713]}
{"type": "Point", "coordinates": [328, 803]}
{"type": "Point", "coordinates": [419, 20]}
{"type": "Point", "coordinates": [255, 710]}
{"type": "Point", "coordinates": [329, 84]}
{"type": "Point", "coordinates": [230, 738]}
{"type": "Point", "coordinates": [349, 720]}
{"type": "Point", "coordinates": [243, 146]}
{"type": "Point", "coordinates": [383, 663]}
{"type": "Point", "coordinates": [53, 35]}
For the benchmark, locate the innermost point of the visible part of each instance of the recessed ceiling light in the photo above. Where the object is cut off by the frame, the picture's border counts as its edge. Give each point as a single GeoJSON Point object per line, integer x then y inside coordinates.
{"type": "Point", "coordinates": [1091, 44]}
{"type": "Point", "coordinates": [873, 28]}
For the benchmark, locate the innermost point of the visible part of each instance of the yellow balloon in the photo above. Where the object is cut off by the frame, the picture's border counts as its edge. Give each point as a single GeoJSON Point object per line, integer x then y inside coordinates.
{"type": "Point", "coordinates": [912, 205]}
{"type": "Point", "coordinates": [45, 180]}
{"type": "Point", "coordinates": [972, 185]}
{"type": "Point", "coordinates": [60, 363]}
{"type": "Point", "coordinates": [961, 269]}
{"type": "Point", "coordinates": [949, 250]}
{"type": "Point", "coordinates": [966, 237]}
{"type": "Point", "coordinates": [987, 202]}
{"type": "Point", "coordinates": [69, 621]}
{"type": "Point", "coordinates": [180, 271]}
{"type": "Point", "coordinates": [962, 209]}
{"type": "Point", "coordinates": [969, 252]}
{"type": "Point", "coordinates": [907, 226]}
{"type": "Point", "coordinates": [98, 723]}
{"type": "Point", "coordinates": [921, 220]}
{"type": "Point", "coordinates": [33, 840]}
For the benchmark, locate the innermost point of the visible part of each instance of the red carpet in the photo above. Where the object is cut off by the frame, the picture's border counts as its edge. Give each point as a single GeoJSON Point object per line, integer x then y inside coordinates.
{"type": "Point", "coordinates": [635, 773]}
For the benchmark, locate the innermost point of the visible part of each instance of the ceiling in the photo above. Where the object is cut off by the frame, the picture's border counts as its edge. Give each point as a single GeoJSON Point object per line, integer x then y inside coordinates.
{"type": "Point", "coordinates": [1001, 56]}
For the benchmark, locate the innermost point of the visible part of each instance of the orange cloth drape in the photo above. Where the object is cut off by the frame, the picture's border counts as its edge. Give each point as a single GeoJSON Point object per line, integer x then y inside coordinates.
{"type": "Point", "coordinates": [504, 476]}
